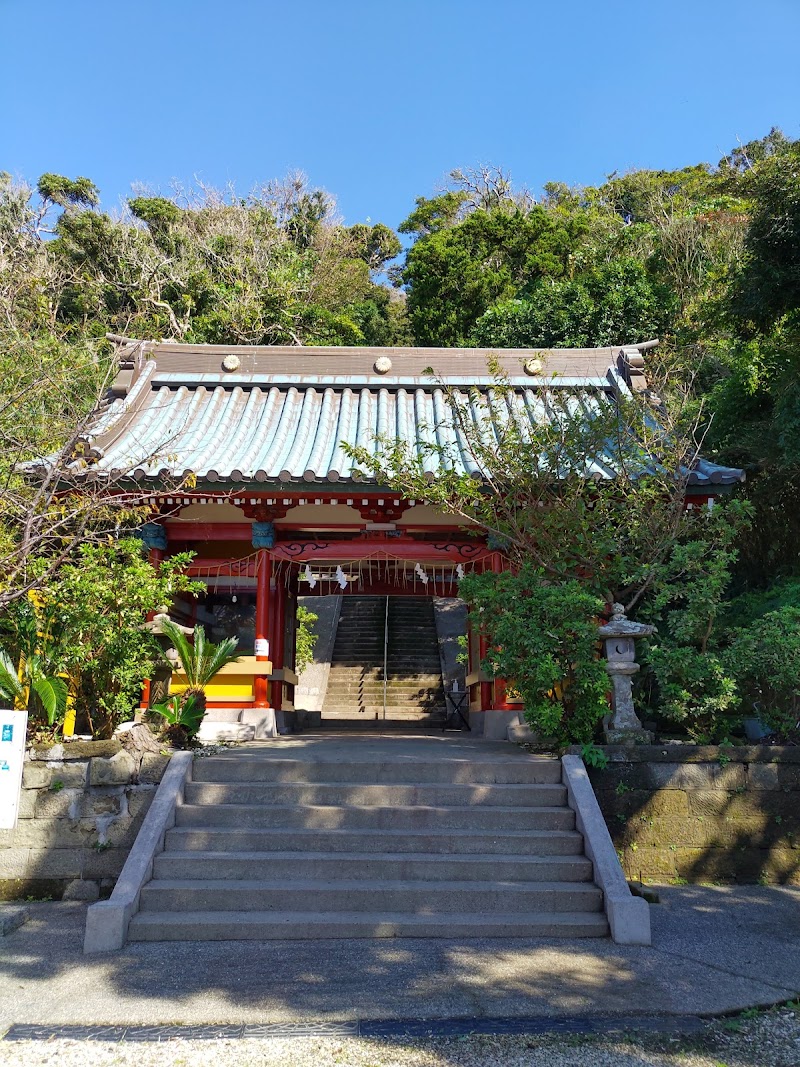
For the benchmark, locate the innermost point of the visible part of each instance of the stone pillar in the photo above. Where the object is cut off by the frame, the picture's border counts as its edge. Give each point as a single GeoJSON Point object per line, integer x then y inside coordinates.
{"type": "Point", "coordinates": [263, 540]}
{"type": "Point", "coordinates": [624, 725]}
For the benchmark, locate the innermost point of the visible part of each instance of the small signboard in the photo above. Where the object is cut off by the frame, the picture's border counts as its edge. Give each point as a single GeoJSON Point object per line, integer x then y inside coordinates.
{"type": "Point", "coordinates": [13, 725]}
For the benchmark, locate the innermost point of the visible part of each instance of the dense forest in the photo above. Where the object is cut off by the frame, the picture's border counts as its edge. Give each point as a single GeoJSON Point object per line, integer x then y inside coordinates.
{"type": "Point", "coordinates": [706, 258]}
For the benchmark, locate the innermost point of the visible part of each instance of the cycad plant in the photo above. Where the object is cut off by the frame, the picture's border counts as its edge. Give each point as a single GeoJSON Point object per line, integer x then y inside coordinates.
{"type": "Point", "coordinates": [183, 719]}
{"type": "Point", "coordinates": [199, 660]}
{"type": "Point", "coordinates": [17, 685]}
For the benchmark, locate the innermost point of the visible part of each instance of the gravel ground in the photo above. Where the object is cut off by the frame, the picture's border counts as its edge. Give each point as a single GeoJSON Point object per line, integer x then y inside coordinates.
{"type": "Point", "coordinates": [770, 1039]}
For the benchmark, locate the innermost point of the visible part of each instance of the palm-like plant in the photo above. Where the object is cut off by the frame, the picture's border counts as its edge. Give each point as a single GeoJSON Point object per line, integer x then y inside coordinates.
{"type": "Point", "coordinates": [183, 719]}
{"type": "Point", "coordinates": [200, 660]}
{"type": "Point", "coordinates": [17, 685]}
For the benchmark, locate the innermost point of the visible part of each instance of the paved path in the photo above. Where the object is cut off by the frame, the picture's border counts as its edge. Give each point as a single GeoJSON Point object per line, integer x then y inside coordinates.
{"type": "Point", "coordinates": [714, 950]}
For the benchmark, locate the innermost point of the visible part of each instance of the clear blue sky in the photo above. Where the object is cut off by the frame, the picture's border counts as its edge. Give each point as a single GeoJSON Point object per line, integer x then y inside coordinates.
{"type": "Point", "coordinates": [377, 101]}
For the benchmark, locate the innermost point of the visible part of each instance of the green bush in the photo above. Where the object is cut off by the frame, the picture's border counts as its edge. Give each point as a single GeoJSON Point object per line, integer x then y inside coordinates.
{"type": "Point", "coordinates": [542, 638]}
{"type": "Point", "coordinates": [765, 659]}
{"type": "Point", "coordinates": [696, 690]}
{"type": "Point", "coordinates": [306, 638]}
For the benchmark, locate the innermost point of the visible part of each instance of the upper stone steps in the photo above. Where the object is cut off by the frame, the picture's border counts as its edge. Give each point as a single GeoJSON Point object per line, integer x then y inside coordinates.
{"type": "Point", "coordinates": [406, 656]}
{"type": "Point", "coordinates": [427, 715]}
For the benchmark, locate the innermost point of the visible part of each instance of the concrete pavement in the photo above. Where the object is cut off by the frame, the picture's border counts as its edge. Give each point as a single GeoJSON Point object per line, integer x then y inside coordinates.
{"type": "Point", "coordinates": [715, 950]}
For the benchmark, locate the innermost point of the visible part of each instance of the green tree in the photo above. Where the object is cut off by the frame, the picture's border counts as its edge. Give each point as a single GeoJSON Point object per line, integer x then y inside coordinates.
{"type": "Point", "coordinates": [455, 273]}
{"type": "Point", "coordinates": [768, 286]}
{"type": "Point", "coordinates": [615, 303]}
{"type": "Point", "coordinates": [590, 500]}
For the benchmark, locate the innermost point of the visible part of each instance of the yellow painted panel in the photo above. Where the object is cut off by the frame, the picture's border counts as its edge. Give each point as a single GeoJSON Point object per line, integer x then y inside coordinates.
{"type": "Point", "coordinates": [230, 691]}
{"type": "Point", "coordinates": [233, 690]}
{"type": "Point", "coordinates": [246, 666]}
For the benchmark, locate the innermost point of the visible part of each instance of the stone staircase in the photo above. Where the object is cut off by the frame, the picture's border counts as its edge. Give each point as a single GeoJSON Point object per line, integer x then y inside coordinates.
{"type": "Point", "coordinates": [333, 837]}
{"type": "Point", "coordinates": [355, 692]}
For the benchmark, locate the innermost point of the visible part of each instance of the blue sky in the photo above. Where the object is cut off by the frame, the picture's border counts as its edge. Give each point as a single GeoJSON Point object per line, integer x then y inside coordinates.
{"type": "Point", "coordinates": [377, 101]}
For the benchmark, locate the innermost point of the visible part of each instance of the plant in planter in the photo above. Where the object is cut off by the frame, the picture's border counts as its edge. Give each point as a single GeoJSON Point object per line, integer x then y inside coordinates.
{"type": "Point", "coordinates": [199, 660]}
{"type": "Point", "coordinates": [183, 719]}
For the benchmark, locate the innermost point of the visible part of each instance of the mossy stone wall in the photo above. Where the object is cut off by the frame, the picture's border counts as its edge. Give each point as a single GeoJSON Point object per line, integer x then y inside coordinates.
{"type": "Point", "coordinates": [686, 813]}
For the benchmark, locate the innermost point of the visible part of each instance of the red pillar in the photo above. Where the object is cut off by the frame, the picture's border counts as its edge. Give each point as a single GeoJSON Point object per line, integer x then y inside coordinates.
{"type": "Point", "coordinates": [264, 573]}
{"type": "Point", "coordinates": [278, 637]}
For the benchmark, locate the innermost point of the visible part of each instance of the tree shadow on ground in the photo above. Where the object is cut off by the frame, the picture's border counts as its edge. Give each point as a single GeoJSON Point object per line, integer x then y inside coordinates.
{"type": "Point", "coordinates": [714, 951]}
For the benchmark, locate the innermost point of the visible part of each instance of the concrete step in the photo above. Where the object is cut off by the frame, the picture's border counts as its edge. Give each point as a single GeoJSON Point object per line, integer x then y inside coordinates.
{"type": "Point", "coordinates": [274, 925]}
{"type": "Point", "coordinates": [399, 694]}
{"type": "Point", "coordinates": [391, 795]}
{"type": "Point", "coordinates": [400, 681]}
{"type": "Point", "coordinates": [356, 722]}
{"type": "Point", "coordinates": [438, 842]}
{"type": "Point", "coordinates": [244, 768]}
{"type": "Point", "coordinates": [407, 673]}
{"type": "Point", "coordinates": [410, 682]}
{"type": "Point", "coordinates": [378, 867]}
{"type": "Point", "coordinates": [429, 667]}
{"type": "Point", "coordinates": [412, 896]}
{"type": "Point", "coordinates": [408, 712]}
{"type": "Point", "coordinates": [371, 817]}
{"type": "Point", "coordinates": [411, 678]}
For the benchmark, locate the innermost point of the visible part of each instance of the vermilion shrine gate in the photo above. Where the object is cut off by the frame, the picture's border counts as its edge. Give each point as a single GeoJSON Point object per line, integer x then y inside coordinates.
{"type": "Point", "coordinates": [275, 509]}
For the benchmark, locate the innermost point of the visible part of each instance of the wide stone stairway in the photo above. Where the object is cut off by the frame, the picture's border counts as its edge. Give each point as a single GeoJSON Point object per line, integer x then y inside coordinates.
{"type": "Point", "coordinates": [389, 640]}
{"type": "Point", "coordinates": [362, 836]}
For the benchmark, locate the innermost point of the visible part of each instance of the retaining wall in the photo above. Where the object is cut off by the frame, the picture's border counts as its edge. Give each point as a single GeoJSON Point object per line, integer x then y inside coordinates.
{"type": "Point", "coordinates": [81, 807]}
{"type": "Point", "coordinates": [703, 814]}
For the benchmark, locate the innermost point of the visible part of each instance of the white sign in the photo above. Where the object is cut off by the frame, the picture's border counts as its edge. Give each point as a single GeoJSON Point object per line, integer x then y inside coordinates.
{"type": "Point", "coordinates": [13, 725]}
{"type": "Point", "coordinates": [262, 647]}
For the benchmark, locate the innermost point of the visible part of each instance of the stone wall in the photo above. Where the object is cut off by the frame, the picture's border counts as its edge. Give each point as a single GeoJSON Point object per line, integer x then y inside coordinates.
{"type": "Point", "coordinates": [703, 814]}
{"type": "Point", "coordinates": [81, 807]}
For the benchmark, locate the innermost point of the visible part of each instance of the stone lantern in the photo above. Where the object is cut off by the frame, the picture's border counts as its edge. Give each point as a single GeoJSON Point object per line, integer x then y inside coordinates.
{"type": "Point", "coordinates": [620, 634]}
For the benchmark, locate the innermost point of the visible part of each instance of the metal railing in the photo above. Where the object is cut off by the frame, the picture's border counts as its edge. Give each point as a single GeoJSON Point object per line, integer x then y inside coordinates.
{"type": "Point", "coordinates": [385, 654]}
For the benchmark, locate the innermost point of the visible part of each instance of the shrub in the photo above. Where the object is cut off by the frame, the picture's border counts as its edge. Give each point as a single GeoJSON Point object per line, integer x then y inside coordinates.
{"type": "Point", "coordinates": [543, 640]}
{"type": "Point", "coordinates": [765, 659]}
